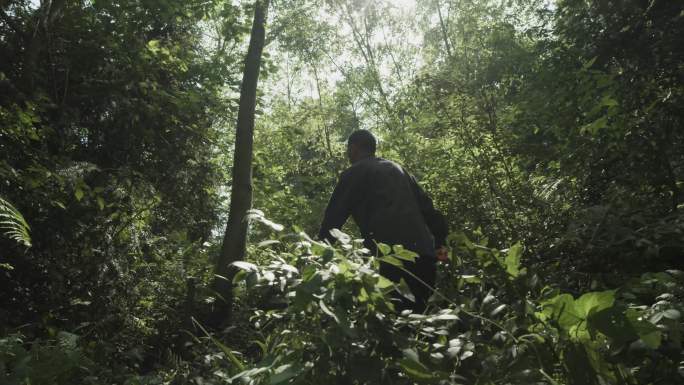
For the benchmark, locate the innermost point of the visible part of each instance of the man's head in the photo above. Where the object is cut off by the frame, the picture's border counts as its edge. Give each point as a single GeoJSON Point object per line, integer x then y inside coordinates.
{"type": "Point", "coordinates": [361, 144]}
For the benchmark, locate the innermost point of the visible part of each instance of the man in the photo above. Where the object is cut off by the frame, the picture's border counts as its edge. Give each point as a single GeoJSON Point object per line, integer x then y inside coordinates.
{"type": "Point", "coordinates": [389, 207]}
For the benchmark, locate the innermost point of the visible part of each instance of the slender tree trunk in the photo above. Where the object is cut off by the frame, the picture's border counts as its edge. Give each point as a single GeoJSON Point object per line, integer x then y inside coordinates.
{"type": "Point", "coordinates": [443, 27]}
{"type": "Point", "coordinates": [326, 132]}
{"type": "Point", "coordinates": [235, 238]}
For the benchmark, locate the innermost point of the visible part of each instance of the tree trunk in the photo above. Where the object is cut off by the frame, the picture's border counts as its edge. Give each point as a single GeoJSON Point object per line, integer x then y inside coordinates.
{"type": "Point", "coordinates": [235, 238]}
{"type": "Point", "coordinates": [326, 132]}
{"type": "Point", "coordinates": [443, 27]}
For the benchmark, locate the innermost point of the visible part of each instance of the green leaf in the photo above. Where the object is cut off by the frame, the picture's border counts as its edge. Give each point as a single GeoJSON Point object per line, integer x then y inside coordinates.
{"type": "Point", "coordinates": [239, 276]}
{"type": "Point", "coordinates": [404, 254]}
{"type": "Point", "coordinates": [589, 63]}
{"type": "Point", "coordinates": [284, 373]}
{"type": "Point", "coordinates": [415, 370]}
{"type": "Point", "coordinates": [613, 323]}
{"type": "Point", "coordinates": [648, 332]}
{"type": "Point", "coordinates": [289, 268]}
{"type": "Point", "coordinates": [384, 283]}
{"type": "Point", "coordinates": [245, 265]}
{"type": "Point", "coordinates": [268, 243]}
{"type": "Point", "coordinates": [340, 236]}
{"type": "Point", "coordinates": [363, 295]}
{"type": "Point", "coordinates": [384, 249]}
{"type": "Point", "coordinates": [561, 309]}
{"type": "Point", "coordinates": [445, 317]}
{"type": "Point", "coordinates": [328, 254]}
{"type": "Point", "coordinates": [652, 339]}
{"type": "Point", "coordinates": [78, 193]}
{"type": "Point", "coordinates": [411, 354]}
{"type": "Point", "coordinates": [14, 224]}
{"type": "Point", "coordinates": [608, 101]}
{"type": "Point", "coordinates": [594, 127]}
{"type": "Point", "coordinates": [672, 314]}
{"type": "Point", "coordinates": [228, 353]}
{"type": "Point", "coordinates": [593, 302]}
{"type": "Point", "coordinates": [153, 45]}
{"type": "Point", "coordinates": [327, 311]}
{"type": "Point", "coordinates": [512, 260]}
{"type": "Point", "coordinates": [404, 289]}
{"type": "Point", "coordinates": [391, 260]}
{"type": "Point", "coordinates": [100, 202]}
{"type": "Point", "coordinates": [258, 215]}
{"type": "Point", "coordinates": [498, 310]}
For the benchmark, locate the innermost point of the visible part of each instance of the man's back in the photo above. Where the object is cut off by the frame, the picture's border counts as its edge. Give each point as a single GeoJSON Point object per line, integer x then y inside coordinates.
{"type": "Point", "coordinates": [388, 206]}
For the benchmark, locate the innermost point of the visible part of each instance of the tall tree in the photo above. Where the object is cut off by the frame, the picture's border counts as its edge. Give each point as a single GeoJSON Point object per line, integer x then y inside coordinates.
{"type": "Point", "coordinates": [235, 238]}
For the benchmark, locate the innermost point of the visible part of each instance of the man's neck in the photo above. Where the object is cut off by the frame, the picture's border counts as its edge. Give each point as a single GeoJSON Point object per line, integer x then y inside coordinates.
{"type": "Point", "coordinates": [363, 157]}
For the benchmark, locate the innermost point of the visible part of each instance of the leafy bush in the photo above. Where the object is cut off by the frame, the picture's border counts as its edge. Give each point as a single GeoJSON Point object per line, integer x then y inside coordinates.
{"type": "Point", "coordinates": [58, 361]}
{"type": "Point", "coordinates": [13, 224]}
{"type": "Point", "coordinates": [327, 316]}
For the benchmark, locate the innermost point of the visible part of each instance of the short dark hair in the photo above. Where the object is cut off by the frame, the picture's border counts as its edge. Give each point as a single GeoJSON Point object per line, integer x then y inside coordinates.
{"type": "Point", "coordinates": [364, 139]}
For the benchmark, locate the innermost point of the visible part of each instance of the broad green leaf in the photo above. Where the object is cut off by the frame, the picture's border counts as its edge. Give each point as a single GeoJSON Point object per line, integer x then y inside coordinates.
{"type": "Point", "coordinates": [78, 193]}
{"type": "Point", "coordinates": [411, 354]}
{"type": "Point", "coordinates": [363, 295]}
{"type": "Point", "coordinates": [153, 44]}
{"type": "Point", "coordinates": [613, 323]}
{"type": "Point", "coordinates": [284, 372]}
{"type": "Point", "coordinates": [608, 101]}
{"type": "Point", "coordinates": [391, 260]}
{"type": "Point", "coordinates": [268, 243]}
{"type": "Point", "coordinates": [404, 289]}
{"type": "Point", "coordinates": [245, 265]}
{"type": "Point", "coordinates": [289, 268]}
{"type": "Point", "coordinates": [512, 260]}
{"type": "Point", "coordinates": [561, 309]}
{"type": "Point", "coordinates": [592, 302]}
{"type": "Point", "coordinates": [239, 276]}
{"type": "Point", "coordinates": [404, 254]}
{"type": "Point", "coordinates": [340, 236]}
{"type": "Point", "coordinates": [384, 283]}
{"type": "Point", "coordinates": [416, 371]}
{"type": "Point", "coordinates": [444, 317]}
{"type": "Point", "coordinates": [673, 314]}
{"type": "Point", "coordinates": [498, 310]}
{"type": "Point", "coordinates": [648, 332]}
{"type": "Point", "coordinates": [652, 339]}
{"type": "Point", "coordinates": [384, 249]}
{"type": "Point", "coordinates": [258, 215]}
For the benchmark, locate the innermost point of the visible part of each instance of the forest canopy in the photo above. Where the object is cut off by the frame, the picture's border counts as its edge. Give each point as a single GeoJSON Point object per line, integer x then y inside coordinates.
{"type": "Point", "coordinates": [548, 132]}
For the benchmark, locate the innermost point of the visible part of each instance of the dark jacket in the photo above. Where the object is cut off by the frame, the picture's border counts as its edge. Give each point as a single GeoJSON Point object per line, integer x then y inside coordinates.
{"type": "Point", "coordinates": [388, 205]}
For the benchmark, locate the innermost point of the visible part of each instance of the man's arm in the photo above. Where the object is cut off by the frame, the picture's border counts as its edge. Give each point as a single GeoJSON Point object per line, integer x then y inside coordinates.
{"type": "Point", "coordinates": [339, 207]}
{"type": "Point", "coordinates": [433, 218]}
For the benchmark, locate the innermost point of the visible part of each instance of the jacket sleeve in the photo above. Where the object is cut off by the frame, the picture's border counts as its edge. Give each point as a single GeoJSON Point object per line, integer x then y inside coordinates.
{"type": "Point", "coordinates": [433, 218]}
{"type": "Point", "coordinates": [340, 205]}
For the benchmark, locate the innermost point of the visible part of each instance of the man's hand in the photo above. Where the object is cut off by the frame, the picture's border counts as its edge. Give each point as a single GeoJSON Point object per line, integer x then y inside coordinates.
{"type": "Point", "coordinates": [442, 254]}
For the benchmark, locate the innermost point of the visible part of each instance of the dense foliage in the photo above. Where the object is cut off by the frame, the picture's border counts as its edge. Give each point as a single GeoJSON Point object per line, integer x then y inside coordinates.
{"type": "Point", "coordinates": [548, 132]}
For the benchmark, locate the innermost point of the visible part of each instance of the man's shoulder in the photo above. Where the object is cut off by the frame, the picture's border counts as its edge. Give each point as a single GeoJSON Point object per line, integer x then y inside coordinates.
{"type": "Point", "coordinates": [374, 164]}
{"type": "Point", "coordinates": [390, 165]}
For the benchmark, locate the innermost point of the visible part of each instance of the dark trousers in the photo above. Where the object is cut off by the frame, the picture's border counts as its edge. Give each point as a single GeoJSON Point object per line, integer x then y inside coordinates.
{"type": "Point", "coordinates": [425, 269]}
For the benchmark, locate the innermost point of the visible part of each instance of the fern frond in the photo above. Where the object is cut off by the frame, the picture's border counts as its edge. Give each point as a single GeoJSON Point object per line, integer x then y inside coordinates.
{"type": "Point", "coordinates": [13, 224]}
